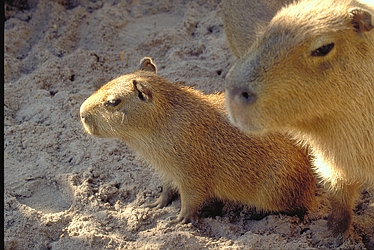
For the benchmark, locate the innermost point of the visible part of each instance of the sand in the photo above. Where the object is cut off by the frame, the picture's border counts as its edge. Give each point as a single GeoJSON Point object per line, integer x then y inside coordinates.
{"type": "Point", "coordinates": [64, 189]}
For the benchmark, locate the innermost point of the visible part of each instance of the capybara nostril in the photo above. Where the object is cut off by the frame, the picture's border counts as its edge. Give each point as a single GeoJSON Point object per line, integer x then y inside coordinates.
{"type": "Point", "coordinates": [248, 96]}
{"type": "Point", "coordinates": [83, 115]}
{"type": "Point", "coordinates": [84, 118]}
{"type": "Point", "coordinates": [242, 96]}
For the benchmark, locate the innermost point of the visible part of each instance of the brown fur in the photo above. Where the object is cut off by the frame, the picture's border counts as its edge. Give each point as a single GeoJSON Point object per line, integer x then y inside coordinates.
{"type": "Point", "coordinates": [243, 19]}
{"type": "Point", "coordinates": [287, 82]}
{"type": "Point", "coordinates": [186, 136]}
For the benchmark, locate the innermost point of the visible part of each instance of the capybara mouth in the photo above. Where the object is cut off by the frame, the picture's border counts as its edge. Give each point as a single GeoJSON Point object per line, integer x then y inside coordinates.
{"type": "Point", "coordinates": [88, 125]}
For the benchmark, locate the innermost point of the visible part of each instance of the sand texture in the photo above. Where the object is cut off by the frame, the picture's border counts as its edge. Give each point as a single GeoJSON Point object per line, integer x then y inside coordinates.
{"type": "Point", "coordinates": [64, 189]}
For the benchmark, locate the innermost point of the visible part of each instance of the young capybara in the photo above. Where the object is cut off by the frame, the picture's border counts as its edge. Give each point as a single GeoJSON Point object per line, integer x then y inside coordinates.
{"type": "Point", "coordinates": [244, 19]}
{"type": "Point", "coordinates": [186, 136]}
{"type": "Point", "coordinates": [311, 73]}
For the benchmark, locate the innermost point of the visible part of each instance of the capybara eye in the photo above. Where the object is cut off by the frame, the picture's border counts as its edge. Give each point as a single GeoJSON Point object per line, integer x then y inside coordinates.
{"type": "Point", "coordinates": [113, 102]}
{"type": "Point", "coordinates": [323, 50]}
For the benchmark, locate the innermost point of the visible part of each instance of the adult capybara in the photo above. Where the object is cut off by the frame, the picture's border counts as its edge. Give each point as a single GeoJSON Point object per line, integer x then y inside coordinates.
{"type": "Point", "coordinates": [311, 73]}
{"type": "Point", "coordinates": [186, 136]}
{"type": "Point", "coordinates": [244, 19]}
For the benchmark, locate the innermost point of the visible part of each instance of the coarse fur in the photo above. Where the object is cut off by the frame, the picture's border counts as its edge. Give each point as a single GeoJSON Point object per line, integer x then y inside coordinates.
{"type": "Point", "coordinates": [243, 19]}
{"type": "Point", "coordinates": [311, 73]}
{"type": "Point", "coordinates": [187, 137]}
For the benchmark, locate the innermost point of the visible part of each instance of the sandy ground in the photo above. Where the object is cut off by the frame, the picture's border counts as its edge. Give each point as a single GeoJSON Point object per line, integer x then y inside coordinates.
{"type": "Point", "coordinates": [64, 189]}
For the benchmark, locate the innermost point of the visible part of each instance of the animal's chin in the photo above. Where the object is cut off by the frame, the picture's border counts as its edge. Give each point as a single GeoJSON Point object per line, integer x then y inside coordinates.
{"type": "Point", "coordinates": [247, 126]}
{"type": "Point", "coordinates": [242, 118]}
{"type": "Point", "coordinates": [90, 129]}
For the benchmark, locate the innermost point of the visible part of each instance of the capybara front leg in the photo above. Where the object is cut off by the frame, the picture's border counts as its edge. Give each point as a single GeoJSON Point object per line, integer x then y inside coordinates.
{"type": "Point", "coordinates": [168, 194]}
{"type": "Point", "coordinates": [190, 203]}
{"type": "Point", "coordinates": [342, 204]}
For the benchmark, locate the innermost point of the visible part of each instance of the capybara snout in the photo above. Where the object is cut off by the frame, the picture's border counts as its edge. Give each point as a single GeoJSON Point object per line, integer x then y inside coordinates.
{"type": "Point", "coordinates": [242, 96]}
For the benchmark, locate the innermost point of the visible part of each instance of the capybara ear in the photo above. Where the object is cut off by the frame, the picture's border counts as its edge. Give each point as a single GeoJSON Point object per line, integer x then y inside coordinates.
{"type": "Point", "coordinates": [144, 93]}
{"type": "Point", "coordinates": [147, 64]}
{"type": "Point", "coordinates": [361, 19]}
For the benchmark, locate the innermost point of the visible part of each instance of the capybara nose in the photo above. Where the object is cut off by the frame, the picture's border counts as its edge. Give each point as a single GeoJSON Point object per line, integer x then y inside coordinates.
{"type": "Point", "coordinates": [83, 111]}
{"type": "Point", "coordinates": [242, 96]}
{"type": "Point", "coordinates": [84, 115]}
{"type": "Point", "coordinates": [83, 118]}
{"type": "Point", "coordinates": [86, 118]}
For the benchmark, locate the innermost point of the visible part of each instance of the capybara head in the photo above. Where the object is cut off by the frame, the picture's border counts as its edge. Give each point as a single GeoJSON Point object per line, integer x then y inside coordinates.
{"type": "Point", "coordinates": [314, 59]}
{"type": "Point", "coordinates": [126, 106]}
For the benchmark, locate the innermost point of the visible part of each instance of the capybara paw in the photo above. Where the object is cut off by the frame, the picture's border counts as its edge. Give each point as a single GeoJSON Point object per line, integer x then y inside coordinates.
{"type": "Point", "coordinates": [154, 204]}
{"type": "Point", "coordinates": [339, 228]}
{"type": "Point", "coordinates": [339, 239]}
{"type": "Point", "coordinates": [162, 201]}
{"type": "Point", "coordinates": [185, 219]}
{"type": "Point", "coordinates": [159, 203]}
